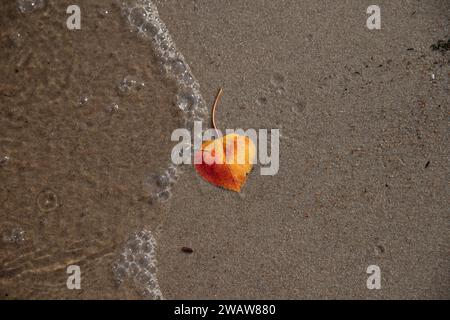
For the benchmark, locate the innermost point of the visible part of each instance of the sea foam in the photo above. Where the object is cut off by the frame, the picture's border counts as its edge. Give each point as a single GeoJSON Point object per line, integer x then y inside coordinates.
{"type": "Point", "coordinates": [143, 17]}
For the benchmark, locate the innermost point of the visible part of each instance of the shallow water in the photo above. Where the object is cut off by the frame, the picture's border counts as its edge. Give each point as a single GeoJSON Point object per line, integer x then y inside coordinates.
{"type": "Point", "coordinates": [85, 124]}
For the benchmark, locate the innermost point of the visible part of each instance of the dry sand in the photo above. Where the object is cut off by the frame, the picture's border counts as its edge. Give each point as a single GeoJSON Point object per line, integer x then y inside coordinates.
{"type": "Point", "coordinates": [364, 164]}
{"type": "Point", "coordinates": [361, 118]}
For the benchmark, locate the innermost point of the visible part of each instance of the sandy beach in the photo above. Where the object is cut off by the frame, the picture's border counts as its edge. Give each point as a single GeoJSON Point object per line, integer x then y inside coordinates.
{"type": "Point", "coordinates": [85, 127]}
{"type": "Point", "coordinates": [361, 118]}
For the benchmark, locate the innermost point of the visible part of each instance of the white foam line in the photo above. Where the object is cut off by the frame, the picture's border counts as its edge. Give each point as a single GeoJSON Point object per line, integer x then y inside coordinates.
{"type": "Point", "coordinates": [143, 17]}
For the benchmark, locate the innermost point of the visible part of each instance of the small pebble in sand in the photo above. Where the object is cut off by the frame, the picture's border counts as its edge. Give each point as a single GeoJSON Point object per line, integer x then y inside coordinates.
{"type": "Point", "coordinates": [187, 250]}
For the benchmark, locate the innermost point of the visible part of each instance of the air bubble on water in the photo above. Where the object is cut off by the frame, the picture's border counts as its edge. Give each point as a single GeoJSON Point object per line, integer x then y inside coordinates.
{"type": "Point", "coordinates": [149, 29]}
{"type": "Point", "coordinates": [164, 195]}
{"type": "Point", "coordinates": [120, 272]}
{"type": "Point", "coordinates": [112, 108]}
{"type": "Point", "coordinates": [4, 160]}
{"type": "Point", "coordinates": [164, 45]}
{"type": "Point", "coordinates": [163, 181]}
{"type": "Point", "coordinates": [161, 37]}
{"type": "Point", "coordinates": [129, 257]}
{"type": "Point", "coordinates": [129, 85]}
{"type": "Point", "coordinates": [16, 235]}
{"type": "Point", "coordinates": [178, 66]}
{"type": "Point", "coordinates": [186, 101]}
{"type": "Point", "coordinates": [172, 170]}
{"type": "Point", "coordinates": [158, 186]}
{"type": "Point", "coordinates": [148, 247]}
{"type": "Point", "coordinates": [133, 269]}
{"type": "Point", "coordinates": [143, 260]}
{"type": "Point", "coordinates": [150, 184]}
{"type": "Point", "coordinates": [151, 268]}
{"type": "Point", "coordinates": [82, 101]}
{"type": "Point", "coordinates": [187, 79]}
{"type": "Point", "coordinates": [134, 246]}
{"type": "Point", "coordinates": [47, 200]}
{"type": "Point", "coordinates": [150, 282]}
{"type": "Point", "coordinates": [148, 242]}
{"type": "Point", "coordinates": [137, 16]}
{"type": "Point", "coordinates": [27, 6]}
{"type": "Point", "coordinates": [142, 278]}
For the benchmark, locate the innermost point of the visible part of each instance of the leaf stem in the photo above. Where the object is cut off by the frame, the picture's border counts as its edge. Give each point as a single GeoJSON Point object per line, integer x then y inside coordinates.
{"type": "Point", "coordinates": [216, 102]}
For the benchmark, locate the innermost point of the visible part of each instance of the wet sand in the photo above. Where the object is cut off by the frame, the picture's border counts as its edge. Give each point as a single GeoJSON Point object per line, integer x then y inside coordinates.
{"type": "Point", "coordinates": [363, 167]}
{"type": "Point", "coordinates": [86, 118]}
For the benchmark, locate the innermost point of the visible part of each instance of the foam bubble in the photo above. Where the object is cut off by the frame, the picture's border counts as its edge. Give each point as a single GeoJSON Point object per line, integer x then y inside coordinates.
{"type": "Point", "coordinates": [83, 100]}
{"type": "Point", "coordinates": [137, 264]}
{"type": "Point", "coordinates": [186, 101]}
{"type": "Point", "coordinates": [129, 85]}
{"type": "Point", "coordinates": [143, 16]}
{"type": "Point", "coordinates": [159, 186]}
{"type": "Point", "coordinates": [27, 6]}
{"type": "Point", "coordinates": [163, 181]}
{"type": "Point", "coordinates": [164, 195]}
{"type": "Point", "coordinates": [178, 66]}
{"type": "Point", "coordinates": [137, 16]}
{"type": "Point", "coordinates": [15, 235]}
{"type": "Point", "coordinates": [4, 160]}
{"type": "Point", "coordinates": [112, 108]}
{"type": "Point", "coordinates": [172, 171]}
{"type": "Point", "coordinates": [47, 200]}
{"type": "Point", "coordinates": [149, 29]}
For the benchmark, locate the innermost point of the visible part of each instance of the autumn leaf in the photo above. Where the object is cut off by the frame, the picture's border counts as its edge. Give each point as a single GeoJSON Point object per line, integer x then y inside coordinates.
{"type": "Point", "coordinates": [226, 161]}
